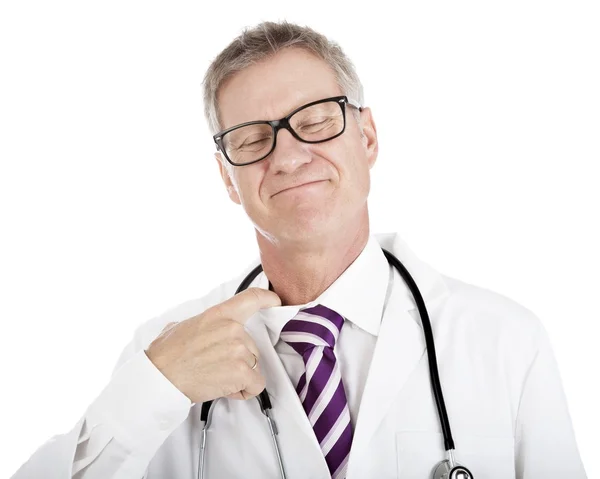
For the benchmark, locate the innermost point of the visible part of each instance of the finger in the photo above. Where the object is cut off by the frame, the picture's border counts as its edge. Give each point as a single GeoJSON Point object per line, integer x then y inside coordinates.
{"type": "Point", "coordinates": [239, 341]}
{"type": "Point", "coordinates": [246, 354]}
{"type": "Point", "coordinates": [244, 304]}
{"type": "Point", "coordinates": [251, 346]}
{"type": "Point", "coordinates": [256, 384]}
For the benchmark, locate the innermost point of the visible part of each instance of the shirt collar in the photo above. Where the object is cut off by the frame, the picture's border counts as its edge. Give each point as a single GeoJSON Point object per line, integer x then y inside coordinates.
{"type": "Point", "coordinates": [358, 294]}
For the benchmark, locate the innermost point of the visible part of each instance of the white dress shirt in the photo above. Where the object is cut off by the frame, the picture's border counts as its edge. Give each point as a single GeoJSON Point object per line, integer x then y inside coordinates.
{"type": "Point", "coordinates": [359, 295]}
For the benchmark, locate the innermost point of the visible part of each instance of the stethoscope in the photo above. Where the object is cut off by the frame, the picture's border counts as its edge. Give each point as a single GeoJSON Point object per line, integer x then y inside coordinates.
{"type": "Point", "coordinates": [445, 469]}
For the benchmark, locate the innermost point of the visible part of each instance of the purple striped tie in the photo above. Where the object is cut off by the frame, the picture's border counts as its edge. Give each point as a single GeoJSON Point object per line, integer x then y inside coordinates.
{"type": "Point", "coordinates": [312, 333]}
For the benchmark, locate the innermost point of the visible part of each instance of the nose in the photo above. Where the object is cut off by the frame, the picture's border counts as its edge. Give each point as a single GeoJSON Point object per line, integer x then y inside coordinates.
{"type": "Point", "coordinates": [289, 153]}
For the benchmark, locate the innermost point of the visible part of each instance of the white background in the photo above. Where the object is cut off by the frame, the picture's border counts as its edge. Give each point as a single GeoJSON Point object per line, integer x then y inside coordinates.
{"type": "Point", "coordinates": [112, 208]}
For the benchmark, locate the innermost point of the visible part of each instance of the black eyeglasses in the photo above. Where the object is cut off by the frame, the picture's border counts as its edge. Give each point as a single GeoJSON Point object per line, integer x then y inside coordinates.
{"type": "Point", "coordinates": [315, 122]}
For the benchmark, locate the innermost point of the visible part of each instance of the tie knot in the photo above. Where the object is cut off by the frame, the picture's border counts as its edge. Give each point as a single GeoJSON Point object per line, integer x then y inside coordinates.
{"type": "Point", "coordinates": [315, 326]}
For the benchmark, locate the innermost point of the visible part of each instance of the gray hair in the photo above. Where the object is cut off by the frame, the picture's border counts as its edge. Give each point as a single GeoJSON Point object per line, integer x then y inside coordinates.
{"type": "Point", "coordinates": [264, 41]}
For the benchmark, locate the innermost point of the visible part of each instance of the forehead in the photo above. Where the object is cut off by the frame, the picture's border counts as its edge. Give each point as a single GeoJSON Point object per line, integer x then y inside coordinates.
{"type": "Point", "coordinates": [269, 90]}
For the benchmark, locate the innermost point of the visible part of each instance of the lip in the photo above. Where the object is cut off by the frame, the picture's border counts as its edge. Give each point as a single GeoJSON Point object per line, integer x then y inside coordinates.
{"type": "Point", "coordinates": [299, 186]}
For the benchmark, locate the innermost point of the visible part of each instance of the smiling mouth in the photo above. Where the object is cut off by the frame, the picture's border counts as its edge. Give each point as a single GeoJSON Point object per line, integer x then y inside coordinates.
{"type": "Point", "coordinates": [299, 186]}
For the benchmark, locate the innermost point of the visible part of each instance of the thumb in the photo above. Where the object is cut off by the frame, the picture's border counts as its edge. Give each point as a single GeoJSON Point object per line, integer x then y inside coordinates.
{"type": "Point", "coordinates": [244, 304]}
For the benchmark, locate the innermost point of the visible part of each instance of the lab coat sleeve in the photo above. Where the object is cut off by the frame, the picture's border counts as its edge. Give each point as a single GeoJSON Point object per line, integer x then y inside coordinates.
{"type": "Point", "coordinates": [545, 444]}
{"type": "Point", "coordinates": [120, 431]}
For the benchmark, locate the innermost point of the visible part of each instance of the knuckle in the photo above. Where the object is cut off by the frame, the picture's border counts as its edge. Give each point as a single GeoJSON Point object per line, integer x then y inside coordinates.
{"type": "Point", "coordinates": [255, 293]}
{"type": "Point", "coordinates": [215, 311]}
{"type": "Point", "coordinates": [199, 321]}
{"type": "Point", "coordinates": [229, 389]}
{"type": "Point", "coordinates": [235, 329]}
{"type": "Point", "coordinates": [238, 347]}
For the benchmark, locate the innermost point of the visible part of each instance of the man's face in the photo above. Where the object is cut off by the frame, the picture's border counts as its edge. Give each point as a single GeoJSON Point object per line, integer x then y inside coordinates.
{"type": "Point", "coordinates": [271, 90]}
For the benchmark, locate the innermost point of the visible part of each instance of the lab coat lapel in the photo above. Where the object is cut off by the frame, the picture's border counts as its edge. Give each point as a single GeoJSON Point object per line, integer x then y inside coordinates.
{"type": "Point", "coordinates": [287, 410]}
{"type": "Point", "coordinates": [399, 348]}
{"type": "Point", "coordinates": [400, 345]}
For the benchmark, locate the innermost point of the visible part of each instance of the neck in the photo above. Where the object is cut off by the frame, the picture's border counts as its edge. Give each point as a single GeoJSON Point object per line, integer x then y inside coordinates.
{"type": "Point", "coordinates": [300, 270]}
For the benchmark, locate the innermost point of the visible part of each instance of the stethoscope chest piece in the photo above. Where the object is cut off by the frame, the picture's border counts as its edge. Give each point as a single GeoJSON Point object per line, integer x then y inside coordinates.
{"type": "Point", "coordinates": [444, 471]}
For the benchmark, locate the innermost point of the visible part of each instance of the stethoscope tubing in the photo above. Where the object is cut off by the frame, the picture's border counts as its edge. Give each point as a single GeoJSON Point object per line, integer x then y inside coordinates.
{"type": "Point", "coordinates": [431, 356]}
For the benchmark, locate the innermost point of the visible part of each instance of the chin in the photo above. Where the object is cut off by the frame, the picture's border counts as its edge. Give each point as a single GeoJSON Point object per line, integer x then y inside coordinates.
{"type": "Point", "coordinates": [307, 226]}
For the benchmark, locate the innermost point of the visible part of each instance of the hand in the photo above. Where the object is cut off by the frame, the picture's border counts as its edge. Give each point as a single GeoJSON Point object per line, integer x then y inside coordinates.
{"type": "Point", "coordinates": [210, 355]}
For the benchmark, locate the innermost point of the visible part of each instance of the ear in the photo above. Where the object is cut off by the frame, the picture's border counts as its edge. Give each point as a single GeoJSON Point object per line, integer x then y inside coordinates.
{"type": "Point", "coordinates": [231, 190]}
{"type": "Point", "coordinates": [367, 124]}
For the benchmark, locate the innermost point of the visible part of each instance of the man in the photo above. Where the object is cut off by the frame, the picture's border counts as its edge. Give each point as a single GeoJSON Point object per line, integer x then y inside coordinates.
{"type": "Point", "coordinates": [329, 327]}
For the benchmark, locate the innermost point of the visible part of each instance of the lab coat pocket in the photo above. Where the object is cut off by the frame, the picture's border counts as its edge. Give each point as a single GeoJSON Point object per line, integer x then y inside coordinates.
{"type": "Point", "coordinates": [487, 457]}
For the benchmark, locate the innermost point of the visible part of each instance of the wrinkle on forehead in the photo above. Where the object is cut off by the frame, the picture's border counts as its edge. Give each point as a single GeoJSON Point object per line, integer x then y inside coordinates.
{"type": "Point", "coordinates": [272, 88]}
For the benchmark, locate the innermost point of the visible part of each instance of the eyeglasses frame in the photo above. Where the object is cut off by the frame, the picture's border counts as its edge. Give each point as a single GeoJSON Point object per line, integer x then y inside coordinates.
{"type": "Point", "coordinates": [284, 123]}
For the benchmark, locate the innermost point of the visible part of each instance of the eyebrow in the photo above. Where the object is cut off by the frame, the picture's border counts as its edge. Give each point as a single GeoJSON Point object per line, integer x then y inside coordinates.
{"type": "Point", "coordinates": [287, 112]}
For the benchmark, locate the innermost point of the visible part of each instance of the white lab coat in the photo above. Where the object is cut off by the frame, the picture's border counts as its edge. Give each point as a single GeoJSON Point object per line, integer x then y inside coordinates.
{"type": "Point", "coordinates": [501, 386]}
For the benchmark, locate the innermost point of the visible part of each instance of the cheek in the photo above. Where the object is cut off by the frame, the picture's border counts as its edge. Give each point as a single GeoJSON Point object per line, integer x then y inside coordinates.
{"type": "Point", "coordinates": [357, 174]}
{"type": "Point", "coordinates": [358, 166]}
{"type": "Point", "coordinates": [248, 184]}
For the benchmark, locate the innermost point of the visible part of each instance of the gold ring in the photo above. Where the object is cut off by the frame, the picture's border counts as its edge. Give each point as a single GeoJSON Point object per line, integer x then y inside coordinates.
{"type": "Point", "coordinates": [255, 361]}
